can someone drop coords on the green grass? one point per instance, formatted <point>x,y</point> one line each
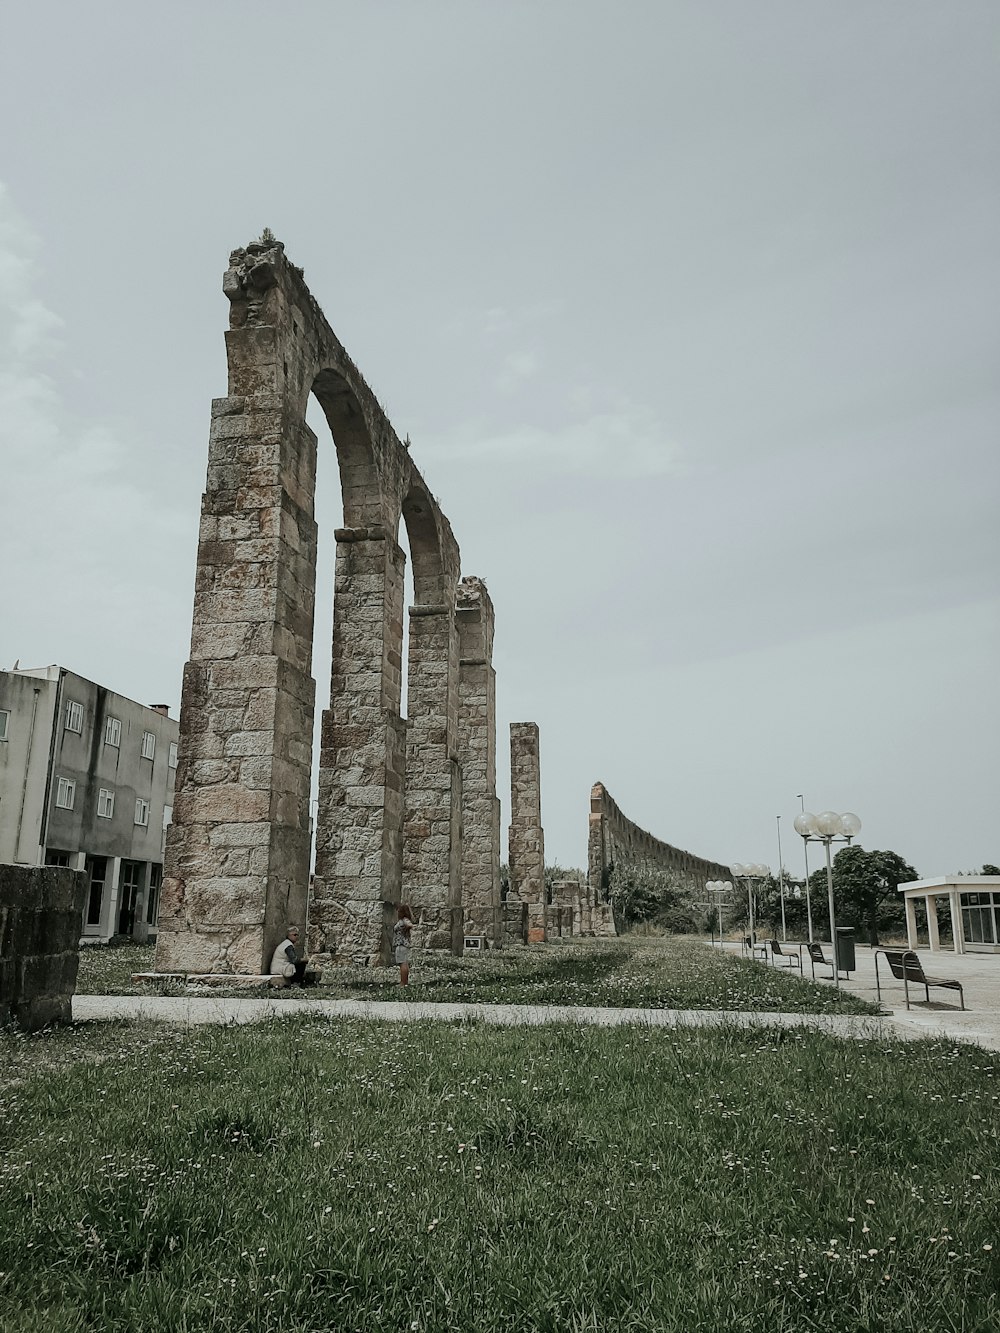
<point>308,1175</point>
<point>666,972</point>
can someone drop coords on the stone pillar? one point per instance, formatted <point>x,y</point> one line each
<point>526,843</point>
<point>359,821</point>
<point>477,730</point>
<point>237,856</point>
<point>432,832</point>
<point>597,852</point>
<point>40,911</point>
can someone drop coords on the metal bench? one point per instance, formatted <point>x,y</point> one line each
<point>816,955</point>
<point>794,959</point>
<point>753,948</point>
<point>906,967</point>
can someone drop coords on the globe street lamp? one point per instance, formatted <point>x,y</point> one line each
<point>718,887</point>
<point>751,873</point>
<point>826,828</point>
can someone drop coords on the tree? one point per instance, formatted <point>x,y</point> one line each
<point>864,886</point>
<point>990,870</point>
<point>645,893</point>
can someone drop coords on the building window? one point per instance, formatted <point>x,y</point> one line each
<point>74,716</point>
<point>172,755</point>
<point>5,720</point>
<point>65,794</point>
<point>54,858</point>
<point>142,812</point>
<point>148,745</point>
<point>113,731</point>
<point>105,803</point>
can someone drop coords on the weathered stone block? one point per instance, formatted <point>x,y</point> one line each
<point>42,918</point>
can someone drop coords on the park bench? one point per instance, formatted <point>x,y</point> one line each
<point>906,967</point>
<point>753,948</point>
<point>794,959</point>
<point>816,955</point>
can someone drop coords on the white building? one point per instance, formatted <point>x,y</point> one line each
<point>87,781</point>
<point>973,902</point>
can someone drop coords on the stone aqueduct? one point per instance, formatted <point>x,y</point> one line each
<point>393,795</point>
<point>613,840</point>
<point>401,801</point>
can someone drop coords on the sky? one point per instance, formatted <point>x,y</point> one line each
<point>690,309</point>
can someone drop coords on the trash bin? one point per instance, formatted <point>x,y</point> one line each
<point>845,949</point>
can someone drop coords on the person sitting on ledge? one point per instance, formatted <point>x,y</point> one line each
<point>286,963</point>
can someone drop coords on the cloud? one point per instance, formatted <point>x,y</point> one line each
<point>624,441</point>
<point>82,546</point>
<point>518,367</point>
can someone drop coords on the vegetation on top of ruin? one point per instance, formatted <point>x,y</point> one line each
<point>438,1178</point>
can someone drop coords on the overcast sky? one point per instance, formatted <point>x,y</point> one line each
<point>691,310</point>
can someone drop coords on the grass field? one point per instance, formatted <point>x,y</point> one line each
<point>308,1175</point>
<point>665,972</point>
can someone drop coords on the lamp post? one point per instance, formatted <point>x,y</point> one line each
<point>827,828</point>
<point>805,848</point>
<point>716,888</point>
<point>781,883</point>
<point>751,873</point>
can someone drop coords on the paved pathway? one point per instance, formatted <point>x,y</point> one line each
<point>979,973</point>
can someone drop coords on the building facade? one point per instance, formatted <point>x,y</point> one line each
<point>87,781</point>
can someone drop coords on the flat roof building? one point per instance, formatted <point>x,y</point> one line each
<point>87,781</point>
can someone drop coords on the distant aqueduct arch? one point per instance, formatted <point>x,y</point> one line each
<point>414,796</point>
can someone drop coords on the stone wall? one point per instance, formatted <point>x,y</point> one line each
<point>41,917</point>
<point>526,841</point>
<point>613,840</point>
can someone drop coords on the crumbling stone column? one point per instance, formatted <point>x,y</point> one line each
<point>237,860</point>
<point>359,825</point>
<point>432,833</point>
<point>477,755</point>
<point>566,896</point>
<point>526,843</point>
<point>41,918</point>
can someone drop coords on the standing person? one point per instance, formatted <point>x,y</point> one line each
<point>286,963</point>
<point>401,942</point>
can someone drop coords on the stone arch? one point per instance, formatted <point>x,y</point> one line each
<point>359,480</point>
<point>238,854</point>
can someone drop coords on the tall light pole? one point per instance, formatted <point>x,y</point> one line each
<point>805,848</point>
<point>781,883</point>
<point>827,828</point>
